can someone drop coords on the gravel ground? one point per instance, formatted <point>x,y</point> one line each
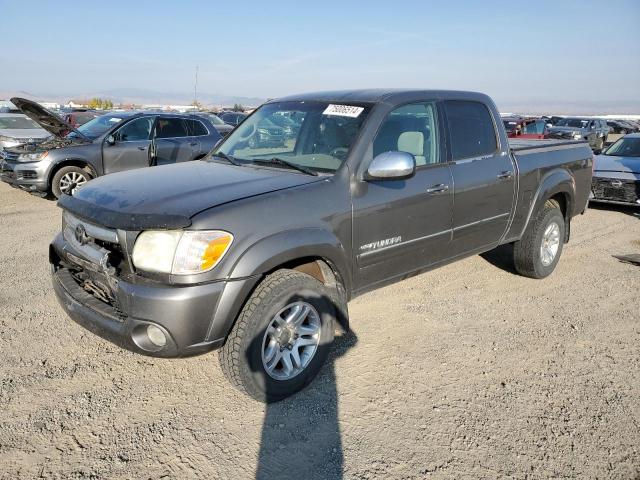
<point>467,371</point>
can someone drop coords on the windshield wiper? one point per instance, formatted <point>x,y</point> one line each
<point>228,158</point>
<point>286,163</point>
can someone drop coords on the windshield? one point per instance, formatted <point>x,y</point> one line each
<point>322,136</point>
<point>625,147</point>
<point>96,127</point>
<point>18,123</point>
<point>572,122</point>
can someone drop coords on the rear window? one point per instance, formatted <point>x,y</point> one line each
<point>170,128</point>
<point>471,129</point>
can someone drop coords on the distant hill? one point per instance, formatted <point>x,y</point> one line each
<point>138,96</point>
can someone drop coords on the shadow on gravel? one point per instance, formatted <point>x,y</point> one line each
<point>632,211</point>
<point>501,257</point>
<point>301,434</point>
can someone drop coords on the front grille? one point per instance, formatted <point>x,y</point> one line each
<point>627,191</point>
<point>26,175</point>
<point>97,261</point>
<point>560,134</point>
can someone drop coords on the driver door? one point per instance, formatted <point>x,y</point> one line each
<point>131,146</point>
<point>402,226</point>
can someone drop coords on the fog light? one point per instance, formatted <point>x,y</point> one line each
<point>156,336</point>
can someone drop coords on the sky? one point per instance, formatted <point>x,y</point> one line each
<point>566,54</point>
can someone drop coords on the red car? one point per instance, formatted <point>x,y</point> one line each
<point>75,119</point>
<point>522,127</point>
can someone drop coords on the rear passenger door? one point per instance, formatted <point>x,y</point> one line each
<point>401,226</point>
<point>172,143</point>
<point>483,177</point>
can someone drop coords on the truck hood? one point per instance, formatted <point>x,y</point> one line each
<point>43,117</point>
<point>168,196</point>
<point>612,163</point>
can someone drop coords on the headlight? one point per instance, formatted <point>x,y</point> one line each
<point>180,252</point>
<point>577,136</point>
<point>32,157</point>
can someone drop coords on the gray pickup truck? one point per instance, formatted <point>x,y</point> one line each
<point>257,250</point>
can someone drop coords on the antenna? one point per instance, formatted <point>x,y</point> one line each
<point>195,91</point>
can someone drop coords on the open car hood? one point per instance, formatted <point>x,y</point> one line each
<point>43,117</point>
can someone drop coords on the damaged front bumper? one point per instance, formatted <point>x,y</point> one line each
<point>192,319</point>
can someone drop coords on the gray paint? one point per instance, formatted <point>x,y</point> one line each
<point>370,231</point>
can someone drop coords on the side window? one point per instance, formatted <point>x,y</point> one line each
<point>170,128</point>
<point>412,129</point>
<point>196,128</point>
<point>135,130</point>
<point>471,129</point>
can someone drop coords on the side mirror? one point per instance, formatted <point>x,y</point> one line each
<point>111,140</point>
<point>392,166</point>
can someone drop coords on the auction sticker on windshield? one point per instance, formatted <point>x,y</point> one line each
<point>343,110</point>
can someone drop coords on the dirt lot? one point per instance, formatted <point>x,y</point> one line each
<point>466,371</point>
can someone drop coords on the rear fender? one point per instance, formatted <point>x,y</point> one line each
<point>553,183</point>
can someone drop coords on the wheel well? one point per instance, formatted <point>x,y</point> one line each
<point>325,272</point>
<point>563,201</point>
<point>72,163</point>
<point>317,267</point>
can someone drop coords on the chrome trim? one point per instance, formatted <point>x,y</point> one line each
<point>93,231</point>
<point>488,219</point>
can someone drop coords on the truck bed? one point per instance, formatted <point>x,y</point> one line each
<point>518,145</point>
<point>566,161</point>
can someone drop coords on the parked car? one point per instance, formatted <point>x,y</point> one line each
<point>110,143</point>
<point>518,127</point>
<point>594,131</point>
<point>232,118</point>
<point>616,176</point>
<point>289,126</point>
<point>223,128</point>
<point>17,129</point>
<point>267,134</point>
<point>257,253</point>
<point>75,119</point>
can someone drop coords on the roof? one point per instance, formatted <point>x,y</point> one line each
<point>379,95</point>
<point>632,135</point>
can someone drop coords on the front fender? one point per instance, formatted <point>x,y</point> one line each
<point>554,182</point>
<point>281,248</point>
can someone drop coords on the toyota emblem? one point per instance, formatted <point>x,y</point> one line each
<point>616,183</point>
<point>81,235</point>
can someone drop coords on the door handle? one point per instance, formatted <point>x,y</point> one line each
<point>193,144</point>
<point>439,188</point>
<point>505,174</point>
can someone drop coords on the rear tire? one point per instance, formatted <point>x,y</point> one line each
<point>244,358</point>
<point>537,253</point>
<point>68,179</point>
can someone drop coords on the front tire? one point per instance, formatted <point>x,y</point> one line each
<point>281,338</point>
<point>68,179</point>
<point>537,253</point>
